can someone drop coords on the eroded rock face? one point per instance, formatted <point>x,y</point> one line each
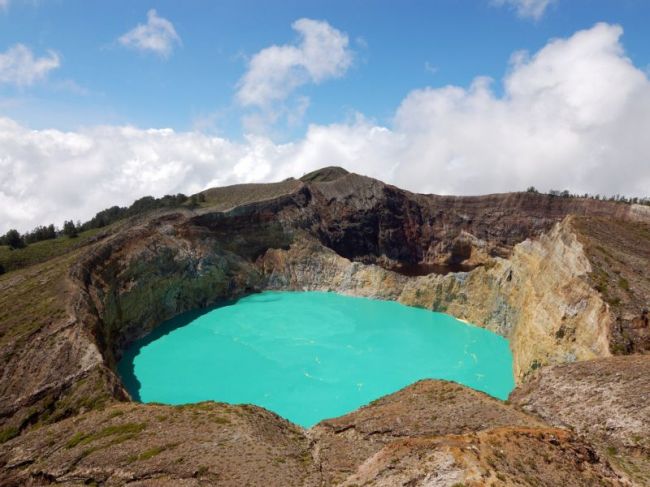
<point>423,410</point>
<point>502,456</point>
<point>619,252</point>
<point>322,235</point>
<point>606,400</point>
<point>535,278</point>
<point>364,219</point>
<point>539,298</point>
<point>200,444</point>
<point>430,433</point>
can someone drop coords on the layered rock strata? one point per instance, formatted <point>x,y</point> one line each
<point>563,279</point>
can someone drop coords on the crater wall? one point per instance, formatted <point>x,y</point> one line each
<point>531,285</point>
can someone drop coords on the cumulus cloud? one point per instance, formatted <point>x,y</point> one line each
<point>18,66</point>
<point>573,115</point>
<point>275,72</point>
<point>157,35</point>
<point>533,9</point>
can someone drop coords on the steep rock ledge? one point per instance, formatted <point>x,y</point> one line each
<point>327,234</point>
<point>539,298</point>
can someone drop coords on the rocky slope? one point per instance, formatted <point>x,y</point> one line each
<point>564,279</point>
<point>607,401</point>
<point>431,433</point>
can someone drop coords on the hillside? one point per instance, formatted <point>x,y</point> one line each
<point>564,279</point>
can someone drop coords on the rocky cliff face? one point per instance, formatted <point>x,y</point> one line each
<point>534,274</point>
<point>539,298</point>
<point>529,281</point>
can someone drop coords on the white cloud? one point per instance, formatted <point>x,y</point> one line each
<point>574,115</point>
<point>430,68</point>
<point>18,66</point>
<point>276,71</point>
<point>4,4</point>
<point>157,35</point>
<point>533,9</point>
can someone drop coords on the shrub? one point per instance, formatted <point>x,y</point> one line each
<point>69,229</point>
<point>13,239</point>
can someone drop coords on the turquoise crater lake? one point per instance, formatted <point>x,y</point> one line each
<point>309,356</point>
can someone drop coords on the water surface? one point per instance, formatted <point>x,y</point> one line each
<point>310,355</point>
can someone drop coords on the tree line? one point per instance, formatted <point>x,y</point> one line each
<point>70,229</point>
<point>565,193</point>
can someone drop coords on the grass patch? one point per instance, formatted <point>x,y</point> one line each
<point>7,434</point>
<point>624,284</point>
<point>115,441</point>
<point>240,194</point>
<point>32,297</point>
<point>152,452</point>
<point>130,429</point>
<point>38,252</point>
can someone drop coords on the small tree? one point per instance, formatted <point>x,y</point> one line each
<point>69,229</point>
<point>532,189</point>
<point>14,239</point>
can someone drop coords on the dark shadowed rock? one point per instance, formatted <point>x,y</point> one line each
<point>562,278</point>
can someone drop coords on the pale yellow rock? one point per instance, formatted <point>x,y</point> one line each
<point>538,298</point>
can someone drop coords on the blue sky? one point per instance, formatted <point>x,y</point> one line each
<point>104,102</point>
<point>101,82</point>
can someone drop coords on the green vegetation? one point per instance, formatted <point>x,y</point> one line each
<point>38,293</point>
<point>12,239</point>
<point>45,242</point>
<point>152,452</point>
<point>139,207</point>
<point>40,233</point>
<point>125,431</point>
<point>18,258</point>
<point>616,198</point>
<point>228,197</point>
<point>7,434</point>
<point>70,229</point>
<point>624,284</point>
